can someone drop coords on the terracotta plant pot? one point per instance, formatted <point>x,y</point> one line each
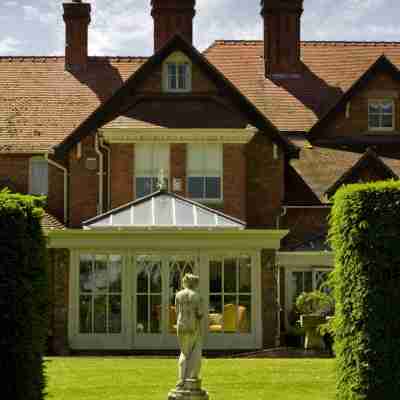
<point>313,340</point>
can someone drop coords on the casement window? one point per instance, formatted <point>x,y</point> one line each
<point>204,171</point>
<point>100,293</point>
<point>230,302</point>
<point>177,74</point>
<point>306,281</point>
<point>39,176</point>
<point>151,161</point>
<point>381,115</point>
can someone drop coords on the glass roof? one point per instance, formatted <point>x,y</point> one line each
<point>164,210</point>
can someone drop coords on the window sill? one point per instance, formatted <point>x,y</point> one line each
<point>380,131</point>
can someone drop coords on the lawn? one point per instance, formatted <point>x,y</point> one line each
<point>118,378</point>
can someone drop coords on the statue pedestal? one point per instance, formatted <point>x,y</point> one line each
<point>191,390</point>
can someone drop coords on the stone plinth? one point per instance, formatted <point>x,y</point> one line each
<point>191,390</point>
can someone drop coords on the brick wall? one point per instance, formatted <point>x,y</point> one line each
<point>122,174</point>
<point>83,184</point>
<point>265,183</point>
<point>383,85</point>
<point>16,169</point>
<point>234,180</point>
<point>200,82</point>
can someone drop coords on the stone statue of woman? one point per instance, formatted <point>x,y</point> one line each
<point>189,310</point>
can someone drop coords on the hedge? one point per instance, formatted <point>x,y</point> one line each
<point>365,235</point>
<point>23,297</point>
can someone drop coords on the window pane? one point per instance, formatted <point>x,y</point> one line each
<point>230,270</point>
<point>172,76</point>
<point>374,121</point>
<point>101,273</point>
<point>215,276</point>
<point>196,187</point>
<point>213,188</point>
<point>230,314</point>
<point>86,273</point>
<point>39,177</point>
<point>141,314</point>
<point>144,186</point>
<point>85,314</point>
<point>182,68</point>
<point>155,278</point>
<point>155,306</point>
<point>387,121</point>
<point>244,314</point>
<point>308,281</point>
<point>114,315</point>
<point>100,312</point>
<point>215,314</point>
<point>213,159</point>
<point>387,107</point>
<point>195,159</point>
<point>142,277</point>
<point>114,273</point>
<point>374,108</point>
<point>245,274</point>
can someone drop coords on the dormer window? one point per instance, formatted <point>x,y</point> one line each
<point>381,115</point>
<point>177,74</point>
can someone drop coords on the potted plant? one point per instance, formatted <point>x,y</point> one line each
<point>313,308</point>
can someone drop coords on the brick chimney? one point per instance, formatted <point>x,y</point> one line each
<point>282,20</point>
<point>77,20</point>
<point>171,17</point>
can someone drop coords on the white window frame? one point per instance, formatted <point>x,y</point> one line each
<point>381,101</point>
<point>32,161</point>
<point>129,338</point>
<point>289,289</point>
<point>203,173</point>
<point>177,58</point>
<point>153,172</point>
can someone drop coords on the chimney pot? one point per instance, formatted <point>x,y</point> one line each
<point>172,17</point>
<point>282,26</point>
<point>77,20</point>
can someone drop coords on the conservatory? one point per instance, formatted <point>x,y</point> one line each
<point>127,264</point>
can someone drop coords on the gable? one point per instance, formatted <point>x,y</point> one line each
<point>349,116</point>
<point>370,168</point>
<point>128,94</point>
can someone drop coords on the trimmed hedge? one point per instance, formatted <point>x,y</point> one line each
<point>365,235</point>
<point>23,297</point>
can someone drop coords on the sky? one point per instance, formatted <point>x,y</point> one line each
<point>125,27</point>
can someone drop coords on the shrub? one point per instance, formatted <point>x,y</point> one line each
<point>316,302</point>
<point>23,296</point>
<point>365,234</point>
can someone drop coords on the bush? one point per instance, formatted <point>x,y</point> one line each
<point>365,234</point>
<point>316,302</point>
<point>23,296</point>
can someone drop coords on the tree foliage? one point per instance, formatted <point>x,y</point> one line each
<point>365,235</point>
<point>23,296</point>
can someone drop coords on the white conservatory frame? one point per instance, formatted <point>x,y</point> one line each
<point>127,242</point>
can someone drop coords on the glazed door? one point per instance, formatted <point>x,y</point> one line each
<point>157,278</point>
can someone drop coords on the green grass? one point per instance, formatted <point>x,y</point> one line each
<point>112,378</point>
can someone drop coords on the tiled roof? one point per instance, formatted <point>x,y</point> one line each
<point>41,103</point>
<point>50,222</point>
<point>296,104</point>
<point>322,166</point>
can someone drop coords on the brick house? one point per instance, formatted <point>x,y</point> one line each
<point>222,163</point>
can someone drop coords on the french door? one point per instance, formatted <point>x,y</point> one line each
<point>156,280</point>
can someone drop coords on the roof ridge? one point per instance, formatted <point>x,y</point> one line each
<point>59,58</point>
<point>305,42</point>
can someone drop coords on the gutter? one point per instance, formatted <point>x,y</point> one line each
<point>100,173</point>
<point>65,172</point>
<point>108,150</point>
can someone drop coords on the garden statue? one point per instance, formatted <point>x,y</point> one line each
<point>189,310</point>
